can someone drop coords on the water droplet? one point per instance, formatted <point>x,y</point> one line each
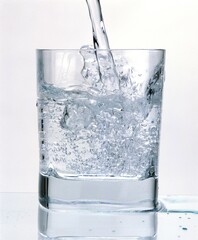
<point>184,228</point>
<point>113,231</point>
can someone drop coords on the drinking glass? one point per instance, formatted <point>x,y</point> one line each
<point>99,115</point>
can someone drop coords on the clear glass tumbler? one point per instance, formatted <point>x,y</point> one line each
<point>99,115</point>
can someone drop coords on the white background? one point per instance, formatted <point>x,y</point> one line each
<point>27,25</point>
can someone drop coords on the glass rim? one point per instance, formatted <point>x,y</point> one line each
<point>112,50</point>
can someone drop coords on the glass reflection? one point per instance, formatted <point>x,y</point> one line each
<point>75,223</point>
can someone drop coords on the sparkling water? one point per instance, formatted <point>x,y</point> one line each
<point>103,130</point>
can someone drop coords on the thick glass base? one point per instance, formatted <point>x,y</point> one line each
<point>98,193</point>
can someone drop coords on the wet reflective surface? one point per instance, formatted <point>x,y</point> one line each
<point>22,218</point>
